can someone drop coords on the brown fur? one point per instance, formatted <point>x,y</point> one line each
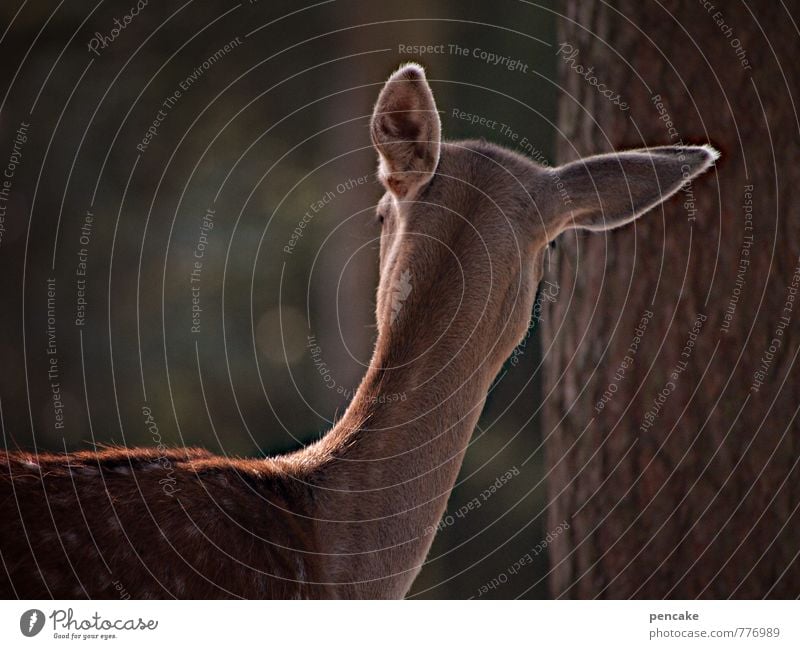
<point>102,525</point>
<point>466,224</point>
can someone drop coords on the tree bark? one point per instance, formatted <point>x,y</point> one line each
<point>684,480</point>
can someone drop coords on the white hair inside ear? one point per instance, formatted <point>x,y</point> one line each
<point>406,132</point>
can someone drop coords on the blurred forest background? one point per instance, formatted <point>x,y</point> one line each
<point>270,130</point>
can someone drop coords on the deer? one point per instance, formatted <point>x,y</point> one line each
<point>465,227</point>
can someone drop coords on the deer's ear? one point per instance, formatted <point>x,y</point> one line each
<point>606,191</point>
<point>406,132</point>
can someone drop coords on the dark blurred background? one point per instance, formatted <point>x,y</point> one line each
<point>270,125</point>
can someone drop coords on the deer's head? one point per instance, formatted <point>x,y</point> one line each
<point>465,225</point>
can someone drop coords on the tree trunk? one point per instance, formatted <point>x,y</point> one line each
<point>677,464</point>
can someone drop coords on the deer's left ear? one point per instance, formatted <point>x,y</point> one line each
<point>606,191</point>
<point>406,132</point>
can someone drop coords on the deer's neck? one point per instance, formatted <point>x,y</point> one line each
<point>385,471</point>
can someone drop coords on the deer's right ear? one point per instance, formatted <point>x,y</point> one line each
<point>607,191</point>
<point>406,132</point>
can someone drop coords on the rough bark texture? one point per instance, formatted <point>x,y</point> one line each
<point>698,498</point>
